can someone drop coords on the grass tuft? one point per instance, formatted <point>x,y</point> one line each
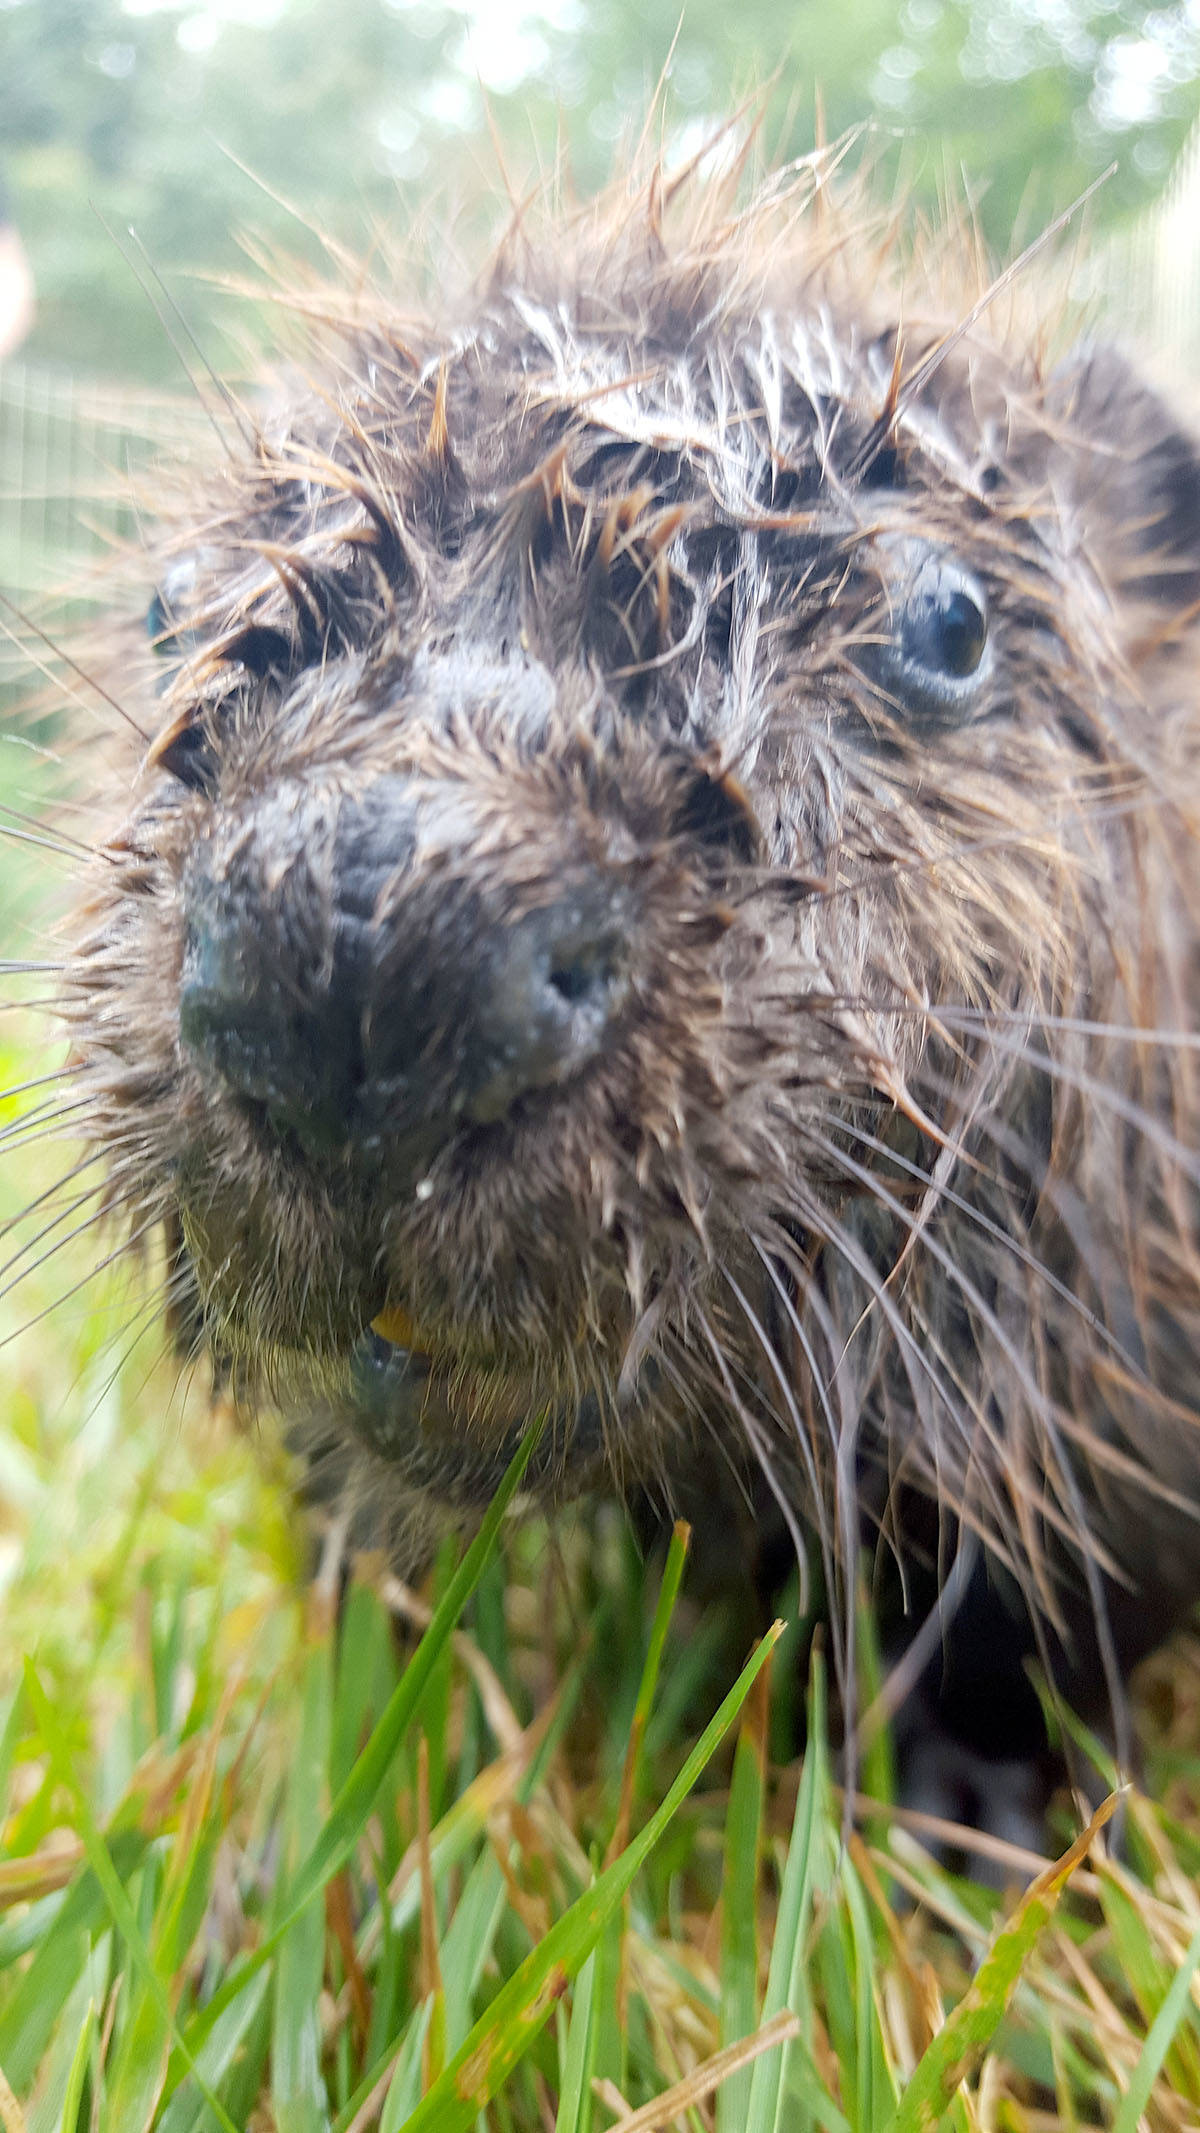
<point>512,1854</point>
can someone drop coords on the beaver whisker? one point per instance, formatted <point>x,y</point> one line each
<point>44,840</point>
<point>90,1161</point>
<point>105,1205</point>
<point>758,1442</point>
<point>59,660</point>
<point>839,1238</point>
<point>820,1381</point>
<point>951,1013</point>
<point>44,1122</point>
<point>1010,1245</point>
<point>125,1249</point>
<point>40,1081</point>
<point>928,1374</point>
<point>789,1414</point>
<point>892,866</point>
<point>1053,1423</point>
<point>908,1224</point>
<point>1076,1078</point>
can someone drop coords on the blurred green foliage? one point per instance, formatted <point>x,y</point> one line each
<point>153,116</point>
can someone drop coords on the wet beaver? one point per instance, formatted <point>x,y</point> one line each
<point>663,890</point>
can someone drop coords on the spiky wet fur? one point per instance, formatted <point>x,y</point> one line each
<point>886,1184</point>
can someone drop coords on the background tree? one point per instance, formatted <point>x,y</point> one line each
<point>143,115</point>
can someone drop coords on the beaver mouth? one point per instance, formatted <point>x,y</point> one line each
<point>397,1328</point>
<point>478,1389</point>
<point>449,1427</point>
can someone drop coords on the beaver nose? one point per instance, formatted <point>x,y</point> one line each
<point>367,990</point>
<point>276,1030</point>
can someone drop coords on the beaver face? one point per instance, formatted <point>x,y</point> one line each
<point>638,834</point>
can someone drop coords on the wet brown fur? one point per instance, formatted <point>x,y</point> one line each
<point>886,1181</point>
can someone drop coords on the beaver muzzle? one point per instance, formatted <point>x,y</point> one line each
<point>350,972</point>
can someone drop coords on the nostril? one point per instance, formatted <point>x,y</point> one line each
<point>588,974</point>
<point>557,981</point>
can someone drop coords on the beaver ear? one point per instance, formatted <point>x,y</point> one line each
<point>1134,469</point>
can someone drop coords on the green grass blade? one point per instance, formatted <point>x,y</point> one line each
<point>1158,2042</point>
<point>468,1944</point>
<point>10,1734</point>
<point>609,2041</point>
<point>353,1804</point>
<point>77,2071</point>
<point>29,2018</point>
<point>187,2111</point>
<point>366,1655</point>
<point>739,1904</point>
<point>1141,1965</point>
<point>74,2032</point>
<point>405,2088</point>
<point>500,2038</point>
<point>577,2056</point>
<point>787,1979</point>
<point>609,2033</point>
<point>959,2045</point>
<point>398,2071</point>
<point>60,1953</point>
<point>1148,1975</point>
<point>876,2090</point>
<point>101,1863</point>
<point>664,1609</point>
<point>140,2063</point>
<point>351,1809</point>
<point>298,2093</point>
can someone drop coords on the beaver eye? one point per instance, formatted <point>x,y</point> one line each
<point>932,659</point>
<point>943,626</point>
